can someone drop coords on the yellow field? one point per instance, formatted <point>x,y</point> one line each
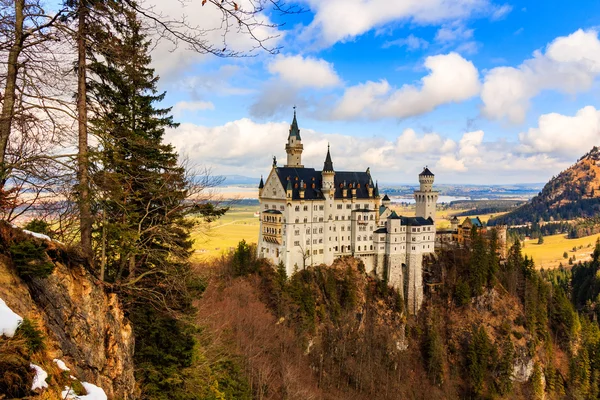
<point>218,237</point>
<point>550,253</point>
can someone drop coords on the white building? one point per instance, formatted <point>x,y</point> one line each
<point>311,217</point>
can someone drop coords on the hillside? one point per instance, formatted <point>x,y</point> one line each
<point>488,330</point>
<point>574,193</point>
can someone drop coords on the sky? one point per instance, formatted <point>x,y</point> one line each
<point>480,91</point>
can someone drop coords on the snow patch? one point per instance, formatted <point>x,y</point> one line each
<point>93,393</point>
<point>61,364</point>
<point>37,235</point>
<point>39,380</point>
<point>9,320</point>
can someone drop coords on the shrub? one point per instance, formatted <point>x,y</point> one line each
<point>39,226</point>
<point>15,375</point>
<point>34,338</point>
<point>30,259</point>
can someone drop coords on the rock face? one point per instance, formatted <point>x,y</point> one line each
<point>84,326</point>
<point>90,328</point>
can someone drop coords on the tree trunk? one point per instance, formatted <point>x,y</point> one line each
<point>8,104</point>
<point>85,214</point>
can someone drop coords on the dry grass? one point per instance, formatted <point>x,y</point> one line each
<point>550,253</point>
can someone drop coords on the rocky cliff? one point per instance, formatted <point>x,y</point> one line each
<point>83,325</point>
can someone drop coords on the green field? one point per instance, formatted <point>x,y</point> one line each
<point>550,253</point>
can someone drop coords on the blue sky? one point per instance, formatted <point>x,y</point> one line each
<point>480,91</point>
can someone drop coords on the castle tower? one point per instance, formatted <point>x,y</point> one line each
<point>328,189</point>
<point>294,146</point>
<point>426,197</point>
<point>261,186</point>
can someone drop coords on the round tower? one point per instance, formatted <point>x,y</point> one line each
<point>426,197</point>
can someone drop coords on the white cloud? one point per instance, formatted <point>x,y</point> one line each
<point>342,20</point>
<point>377,100</point>
<point>245,147</point>
<point>411,42</point>
<point>452,33</point>
<point>501,12</point>
<point>304,72</point>
<point>183,106</point>
<point>569,65</point>
<point>563,135</point>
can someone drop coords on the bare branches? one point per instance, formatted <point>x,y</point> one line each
<point>245,19</point>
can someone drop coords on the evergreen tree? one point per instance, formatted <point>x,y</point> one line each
<point>144,237</point>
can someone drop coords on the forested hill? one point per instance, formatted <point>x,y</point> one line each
<point>574,193</point>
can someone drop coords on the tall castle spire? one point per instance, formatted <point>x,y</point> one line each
<point>328,165</point>
<point>294,146</point>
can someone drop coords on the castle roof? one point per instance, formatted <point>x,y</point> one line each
<point>261,184</point>
<point>328,166</point>
<point>386,198</point>
<point>412,221</point>
<point>294,130</point>
<point>426,172</point>
<point>310,176</point>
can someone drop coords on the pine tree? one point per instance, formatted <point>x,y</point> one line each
<point>143,239</point>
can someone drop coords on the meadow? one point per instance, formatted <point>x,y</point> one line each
<point>550,254</point>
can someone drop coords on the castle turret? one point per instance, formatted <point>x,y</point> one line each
<point>385,201</point>
<point>454,224</point>
<point>261,185</point>
<point>328,174</point>
<point>294,146</point>
<point>426,197</point>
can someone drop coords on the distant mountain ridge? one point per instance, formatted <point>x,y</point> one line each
<point>574,193</point>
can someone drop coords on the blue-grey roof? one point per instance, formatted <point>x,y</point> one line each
<point>310,177</point>
<point>426,172</point>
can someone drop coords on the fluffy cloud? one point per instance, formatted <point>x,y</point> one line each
<point>341,20</point>
<point>183,106</point>
<point>245,147</point>
<point>563,135</point>
<point>378,100</point>
<point>569,65</point>
<point>304,72</point>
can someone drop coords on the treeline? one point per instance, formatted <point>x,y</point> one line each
<point>535,230</point>
<point>487,317</point>
<point>484,206</point>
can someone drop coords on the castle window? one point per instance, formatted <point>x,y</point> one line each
<point>297,208</point>
<point>266,206</point>
<point>314,252</point>
<point>371,247</point>
<point>348,206</point>
<point>307,242</point>
<point>358,248</point>
<point>336,217</point>
<point>314,241</point>
<point>308,231</point>
<point>305,220</point>
<point>357,206</point>
<point>320,251</point>
<point>321,208</point>
<point>336,248</point>
<point>305,208</point>
<point>343,217</point>
<point>315,230</point>
<point>358,238</point>
<point>320,230</point>
<point>297,220</point>
<point>297,232</point>
<point>320,240</point>
<point>282,208</point>
<point>339,206</point>
<point>320,219</point>
<point>359,217</point>
<point>366,207</point>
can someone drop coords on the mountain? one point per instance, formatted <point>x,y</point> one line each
<point>574,193</point>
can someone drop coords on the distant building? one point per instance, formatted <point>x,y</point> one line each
<point>311,217</point>
<point>460,234</point>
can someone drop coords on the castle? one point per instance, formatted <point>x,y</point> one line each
<point>311,217</point>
